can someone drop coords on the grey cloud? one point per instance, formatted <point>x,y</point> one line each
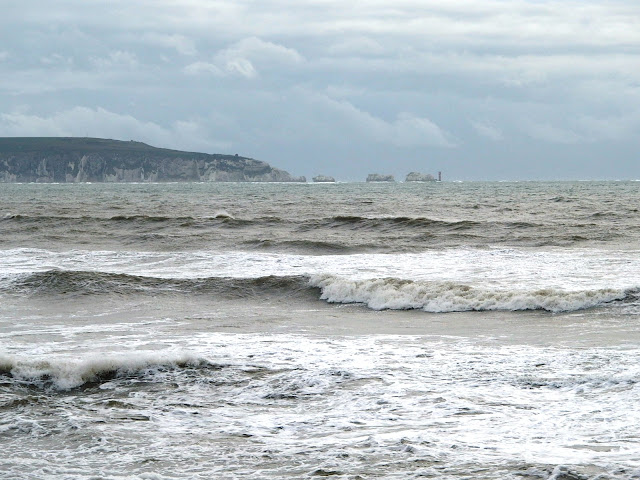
<point>611,128</point>
<point>405,130</point>
<point>469,22</point>
<point>57,59</point>
<point>240,57</point>
<point>328,116</point>
<point>299,83</point>
<point>488,130</point>
<point>99,122</point>
<point>116,59</point>
<point>240,66</point>
<point>197,68</point>
<point>359,45</point>
<point>548,132</point>
<point>179,43</point>
<point>586,129</point>
<point>257,49</point>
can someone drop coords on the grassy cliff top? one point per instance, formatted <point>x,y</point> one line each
<point>85,145</point>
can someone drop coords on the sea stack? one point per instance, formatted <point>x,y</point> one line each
<point>376,177</point>
<point>420,177</point>
<point>323,179</point>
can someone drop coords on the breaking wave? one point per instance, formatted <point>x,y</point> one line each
<point>439,297</point>
<point>375,293</point>
<point>66,374</point>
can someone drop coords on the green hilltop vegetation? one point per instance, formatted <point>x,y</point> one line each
<point>81,159</point>
<point>27,144</point>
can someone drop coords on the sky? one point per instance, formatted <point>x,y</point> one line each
<point>480,90</point>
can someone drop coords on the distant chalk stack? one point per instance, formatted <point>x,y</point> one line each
<point>420,177</point>
<point>376,177</point>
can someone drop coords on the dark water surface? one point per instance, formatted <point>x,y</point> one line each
<point>321,218</point>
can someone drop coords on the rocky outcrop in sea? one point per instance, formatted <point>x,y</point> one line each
<point>376,177</point>
<point>420,177</point>
<point>323,179</point>
<point>71,159</point>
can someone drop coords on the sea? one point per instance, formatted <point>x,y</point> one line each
<point>472,330</point>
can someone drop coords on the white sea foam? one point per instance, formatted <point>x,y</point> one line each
<point>391,406</point>
<point>397,294</point>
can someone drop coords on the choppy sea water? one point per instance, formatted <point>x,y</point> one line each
<point>443,330</point>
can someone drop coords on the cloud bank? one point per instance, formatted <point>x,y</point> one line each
<point>475,89</point>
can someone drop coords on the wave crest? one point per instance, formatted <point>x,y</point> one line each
<point>67,374</point>
<point>440,297</point>
<point>375,293</point>
<point>65,282</point>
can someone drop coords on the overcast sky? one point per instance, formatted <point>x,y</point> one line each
<point>477,89</point>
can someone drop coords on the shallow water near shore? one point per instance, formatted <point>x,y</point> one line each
<point>481,330</point>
